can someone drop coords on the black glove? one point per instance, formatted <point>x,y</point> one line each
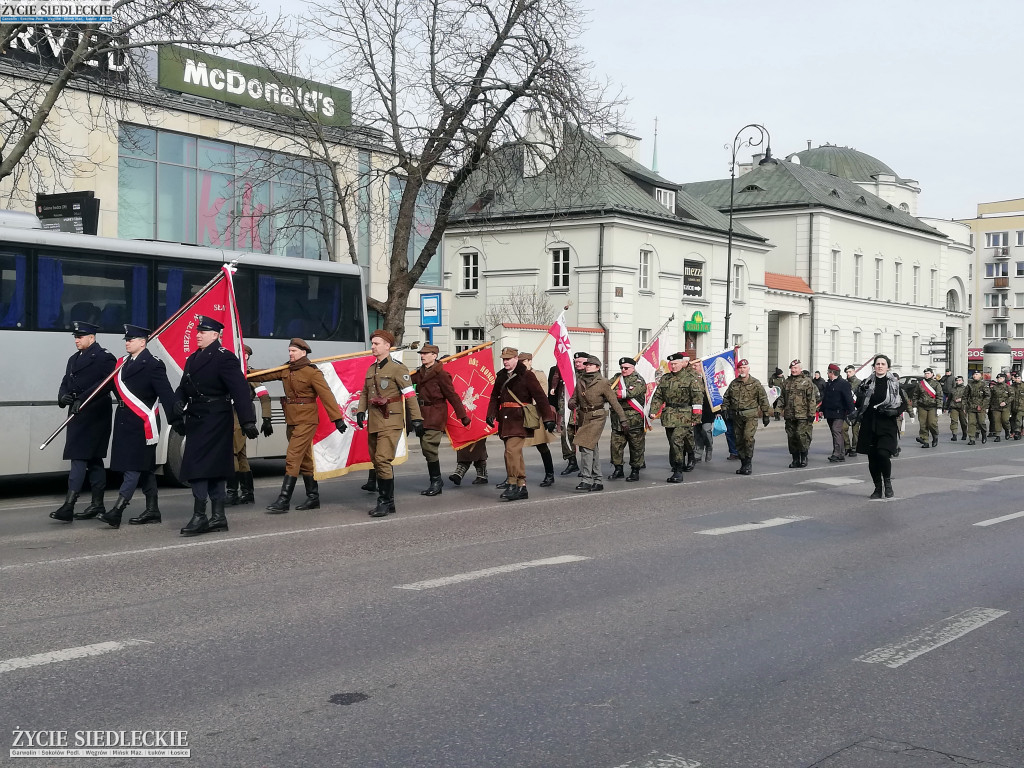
<point>851,417</point>
<point>490,422</point>
<point>466,421</point>
<point>66,399</point>
<point>178,426</point>
<point>250,431</point>
<point>341,426</point>
<point>179,408</point>
<point>765,419</point>
<point>267,429</point>
<point>549,426</point>
<point>810,419</point>
<point>725,414</point>
<point>76,406</point>
<point>360,418</point>
<point>417,427</point>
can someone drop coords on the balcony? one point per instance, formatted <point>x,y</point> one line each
<point>1001,252</point>
<point>1000,313</point>
<point>1001,283</point>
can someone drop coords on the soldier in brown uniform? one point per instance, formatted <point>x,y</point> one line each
<point>303,384</point>
<point>588,400</point>
<point>243,472</point>
<point>387,404</point>
<point>434,390</point>
<point>515,388</point>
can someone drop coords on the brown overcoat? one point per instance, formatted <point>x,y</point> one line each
<point>588,401</point>
<point>504,408</point>
<point>434,390</point>
<point>303,384</point>
<point>540,435</point>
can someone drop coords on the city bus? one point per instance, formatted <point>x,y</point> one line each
<point>49,279</point>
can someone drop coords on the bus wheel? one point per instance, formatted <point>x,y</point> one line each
<point>175,454</point>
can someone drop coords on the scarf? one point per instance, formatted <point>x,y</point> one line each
<point>890,406</point>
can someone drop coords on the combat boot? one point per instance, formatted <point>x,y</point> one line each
<point>935,441</point>
<point>312,493</point>
<point>548,481</point>
<point>218,520</point>
<point>997,439</point>
<point>795,463</point>
<point>481,473</point>
<point>281,504</point>
<point>598,486</point>
<point>887,483</point>
<point>371,482</point>
<point>744,467</point>
<point>65,513</point>
<point>984,437</point>
<point>676,476</point>
<point>617,474</point>
<point>436,483</point>
<point>878,490</point>
<point>689,462</point>
<point>150,515</point>
<point>511,493</point>
<point>232,490</point>
<point>571,467</point>
<point>112,517</point>
<point>634,475</point>
<point>385,498</point>
<point>963,435</point>
<point>953,438</point>
<point>460,472</point>
<point>502,485</point>
<point>94,508</point>
<point>803,458</point>
<point>522,493</point>
<point>584,487</point>
<point>247,493</point>
<point>971,442</point>
<point>707,453</point>
<point>198,524</point>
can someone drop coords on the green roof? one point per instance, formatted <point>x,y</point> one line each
<point>785,185</point>
<point>846,162</point>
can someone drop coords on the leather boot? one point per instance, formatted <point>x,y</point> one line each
<point>953,438</point>
<point>481,473</point>
<point>795,463</point>
<point>151,515</point>
<point>232,483</point>
<point>436,483</point>
<point>984,437</point>
<point>502,485</point>
<point>744,467</point>
<point>385,498</point>
<point>689,462</point>
<point>312,493</point>
<point>218,520</point>
<point>617,474</point>
<point>887,483</point>
<point>198,524</point>
<point>511,493</point>
<point>996,439</point>
<point>571,467</point>
<point>548,481</point>
<point>281,505</point>
<point>803,458</point>
<point>963,435</point>
<point>523,493</point>
<point>94,508</point>
<point>634,475</point>
<point>112,516</point>
<point>247,494</point>
<point>878,490</point>
<point>460,472</point>
<point>676,476</point>
<point>371,482</point>
<point>707,453</point>
<point>971,442</point>
<point>65,513</point>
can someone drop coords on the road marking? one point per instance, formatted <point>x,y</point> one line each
<point>782,495</point>
<point>460,577</point>
<point>834,481</point>
<point>753,526</point>
<point>658,760</point>
<point>999,477</point>
<point>68,653</point>
<point>1002,519</point>
<point>930,638</point>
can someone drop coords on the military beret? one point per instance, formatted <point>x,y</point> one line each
<point>429,348</point>
<point>299,344</point>
<point>849,368</point>
<point>742,362</point>
<point>677,356</point>
<point>209,324</point>
<point>388,336</point>
<point>81,328</point>
<point>928,370</point>
<point>627,361</point>
<point>509,352</point>
<point>1000,375</point>
<point>795,362</point>
<point>135,332</point>
<point>581,355</point>
<point>834,367</point>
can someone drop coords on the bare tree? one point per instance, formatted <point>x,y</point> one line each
<point>521,305</point>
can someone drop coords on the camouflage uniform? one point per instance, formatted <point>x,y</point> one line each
<point>927,403</point>
<point>978,398</point>
<point>851,432</point>
<point>682,394</point>
<point>799,403</point>
<point>958,410</point>
<point>1017,407</point>
<point>1000,407</point>
<point>742,400</point>
<point>631,391</point>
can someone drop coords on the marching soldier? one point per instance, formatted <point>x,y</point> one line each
<point>140,382</point>
<point>386,406</point>
<point>579,360</point>
<point>682,395</point>
<point>631,392</point>
<point>799,404</point>
<point>958,408</point>
<point>243,472</point>
<point>927,399</point>
<point>1017,404</point>
<point>89,432</point>
<point>304,384</point>
<point>743,398</point>
<point>777,380</point>
<point>211,382</point>
<point>434,391</point>
<point>588,401</point>
<point>978,398</point>
<point>1000,406</point>
<point>851,432</point>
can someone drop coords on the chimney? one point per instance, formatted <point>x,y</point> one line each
<point>543,140</point>
<point>624,142</point>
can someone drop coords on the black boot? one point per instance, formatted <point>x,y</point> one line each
<point>436,483</point>
<point>585,487</point>
<point>460,472</point>
<point>312,493</point>
<point>65,513</point>
<point>232,484</point>
<point>963,435</point>
<point>571,467</point>
<point>935,440</point>
<point>744,467</point>
<point>502,485</point>
<point>996,439</point>
<point>617,474</point>
<point>677,474</point>
<point>971,442</point>
<point>878,490</point>
<point>247,494</point>
<point>795,463</point>
<point>707,453</point>
<point>371,483</point>
<point>112,517</point>
<point>511,493</point>
<point>151,515</point>
<point>280,506</point>
<point>803,458</point>
<point>887,483</point>
<point>218,520</point>
<point>689,462</point>
<point>385,498</point>
<point>634,475</point>
<point>549,480</point>
<point>523,493</point>
<point>984,437</point>
<point>953,438</point>
<point>198,524</point>
<point>94,508</point>
<point>481,473</point>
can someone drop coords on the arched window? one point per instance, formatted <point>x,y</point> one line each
<point>952,301</point>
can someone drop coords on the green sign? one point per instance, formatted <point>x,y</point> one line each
<point>696,324</point>
<point>213,77</point>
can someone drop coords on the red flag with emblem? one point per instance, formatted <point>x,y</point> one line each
<point>473,378</point>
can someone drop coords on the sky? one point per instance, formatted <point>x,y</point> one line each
<point>931,88</point>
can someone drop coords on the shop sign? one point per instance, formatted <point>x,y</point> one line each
<point>696,324</point>
<point>977,354</point>
<point>77,212</point>
<point>203,74</point>
<point>53,46</point>
<point>693,279</point>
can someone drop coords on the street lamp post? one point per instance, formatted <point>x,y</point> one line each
<point>762,137</point>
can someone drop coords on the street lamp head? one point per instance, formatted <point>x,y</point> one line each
<point>768,159</point>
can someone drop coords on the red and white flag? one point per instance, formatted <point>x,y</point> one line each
<point>648,365</point>
<point>473,377</point>
<point>563,359</point>
<point>336,454</point>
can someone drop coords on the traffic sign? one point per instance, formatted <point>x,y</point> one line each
<point>938,358</point>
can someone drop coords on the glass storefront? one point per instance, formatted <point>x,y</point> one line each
<point>425,214</point>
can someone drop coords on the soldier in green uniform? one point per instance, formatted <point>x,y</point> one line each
<point>743,398</point>
<point>631,392</point>
<point>958,408</point>
<point>682,395</point>
<point>927,399</point>
<point>388,402</point>
<point>1000,406</point>
<point>851,431</point>
<point>978,398</point>
<point>777,380</point>
<point>588,401</point>
<point>1016,403</point>
<point>799,403</point>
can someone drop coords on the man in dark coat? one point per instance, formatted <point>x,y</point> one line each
<point>837,406</point>
<point>88,433</point>
<point>140,382</point>
<point>435,391</point>
<point>211,381</point>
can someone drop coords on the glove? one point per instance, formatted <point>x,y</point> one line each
<point>76,406</point>
<point>851,417</point>
<point>726,414</point>
<point>250,431</point>
<point>490,422</point>
<point>179,408</point>
<point>765,419</point>
<point>66,399</point>
<point>466,421</point>
<point>550,426</point>
<point>341,426</point>
<point>360,418</point>
<point>417,427</point>
<point>623,428</point>
<point>179,427</point>
<point>267,429</point>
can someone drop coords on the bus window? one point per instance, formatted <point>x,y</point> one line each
<point>108,294</point>
<point>310,306</point>
<point>12,290</point>
<point>175,285</point>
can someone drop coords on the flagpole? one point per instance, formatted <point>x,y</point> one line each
<point>163,327</point>
<point>650,344</point>
<point>331,359</point>
<point>465,352</point>
<point>544,340</point>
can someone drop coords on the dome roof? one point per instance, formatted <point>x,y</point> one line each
<point>845,162</point>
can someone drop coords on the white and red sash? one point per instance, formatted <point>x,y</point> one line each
<point>638,407</point>
<point>139,408</point>
<point>926,388</point>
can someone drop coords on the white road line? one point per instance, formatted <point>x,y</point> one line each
<point>1002,519</point>
<point>930,638</point>
<point>999,477</point>
<point>68,653</point>
<point>837,481</point>
<point>460,577</point>
<point>659,760</point>
<point>782,495</point>
<point>754,526</point>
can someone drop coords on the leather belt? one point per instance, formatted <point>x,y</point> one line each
<point>511,405</point>
<point>210,399</point>
<point>298,400</point>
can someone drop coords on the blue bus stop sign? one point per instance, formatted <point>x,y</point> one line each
<point>430,310</point>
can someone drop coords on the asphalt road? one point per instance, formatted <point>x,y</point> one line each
<point>777,620</point>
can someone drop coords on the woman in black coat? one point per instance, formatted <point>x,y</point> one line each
<point>879,405</point>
